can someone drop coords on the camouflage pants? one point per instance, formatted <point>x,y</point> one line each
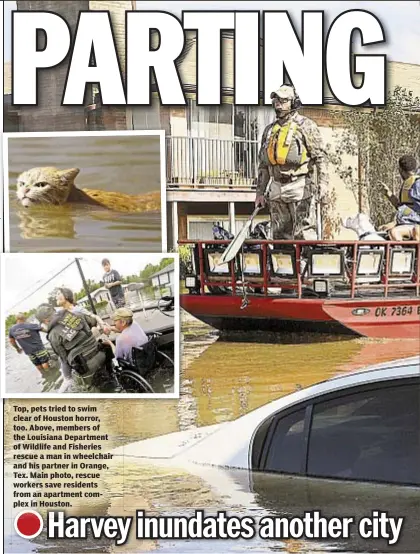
<point>293,220</point>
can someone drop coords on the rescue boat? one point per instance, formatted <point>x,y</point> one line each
<point>364,288</point>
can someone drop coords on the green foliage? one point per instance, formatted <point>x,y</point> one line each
<point>93,285</point>
<point>379,137</point>
<point>150,269</point>
<point>101,305</point>
<point>79,295</point>
<point>185,257</point>
<point>165,262</point>
<point>144,275</point>
<point>130,279</point>
<point>148,292</point>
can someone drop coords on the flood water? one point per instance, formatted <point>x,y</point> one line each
<point>221,381</point>
<point>125,164</point>
<point>23,377</point>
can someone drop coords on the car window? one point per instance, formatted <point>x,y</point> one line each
<point>371,435</point>
<point>287,447</point>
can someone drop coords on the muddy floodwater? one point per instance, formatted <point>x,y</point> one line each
<point>23,377</point>
<point>129,165</point>
<point>220,381</point>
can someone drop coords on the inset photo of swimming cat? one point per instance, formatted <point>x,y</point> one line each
<point>82,191</point>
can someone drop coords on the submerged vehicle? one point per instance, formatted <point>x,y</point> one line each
<point>348,445</point>
<point>362,426</point>
<point>362,287</point>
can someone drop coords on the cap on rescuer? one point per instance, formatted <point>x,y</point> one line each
<point>285,91</point>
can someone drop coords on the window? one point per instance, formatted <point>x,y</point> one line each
<point>214,114</point>
<point>146,117</point>
<point>371,435</point>
<point>201,227</point>
<point>286,449</point>
<point>164,278</point>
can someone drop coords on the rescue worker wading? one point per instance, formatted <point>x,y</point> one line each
<point>72,340</point>
<point>291,148</point>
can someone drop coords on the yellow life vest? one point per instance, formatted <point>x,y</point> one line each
<point>280,142</point>
<point>406,186</point>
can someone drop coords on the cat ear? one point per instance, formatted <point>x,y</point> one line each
<point>69,174</point>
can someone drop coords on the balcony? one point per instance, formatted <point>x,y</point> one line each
<point>203,163</point>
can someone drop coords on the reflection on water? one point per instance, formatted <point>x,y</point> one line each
<point>129,165</point>
<point>221,381</point>
<point>82,229</point>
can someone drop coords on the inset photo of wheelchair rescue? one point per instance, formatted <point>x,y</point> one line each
<point>90,325</point>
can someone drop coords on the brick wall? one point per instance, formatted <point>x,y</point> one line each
<point>115,117</point>
<point>49,115</point>
<point>117,11</point>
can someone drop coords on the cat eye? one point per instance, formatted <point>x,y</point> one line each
<point>41,184</point>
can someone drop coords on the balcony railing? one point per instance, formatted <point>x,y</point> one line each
<point>204,162</point>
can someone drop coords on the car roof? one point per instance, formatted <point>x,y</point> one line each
<point>235,451</point>
<point>203,445</point>
<point>399,369</point>
<point>396,364</point>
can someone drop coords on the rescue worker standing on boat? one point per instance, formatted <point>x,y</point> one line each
<point>291,148</point>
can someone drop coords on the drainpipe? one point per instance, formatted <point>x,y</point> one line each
<point>359,177</point>
<point>175,225</point>
<point>232,217</point>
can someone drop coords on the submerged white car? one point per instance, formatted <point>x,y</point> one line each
<point>349,446</point>
<point>363,426</point>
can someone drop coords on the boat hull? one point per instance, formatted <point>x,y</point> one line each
<point>378,318</point>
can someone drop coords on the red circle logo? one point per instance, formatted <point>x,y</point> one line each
<point>28,524</point>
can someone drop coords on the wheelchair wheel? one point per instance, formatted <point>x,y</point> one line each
<point>133,382</point>
<point>166,361</point>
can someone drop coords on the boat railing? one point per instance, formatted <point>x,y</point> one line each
<point>387,268</point>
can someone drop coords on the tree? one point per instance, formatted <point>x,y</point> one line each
<point>378,137</point>
<point>10,321</point>
<point>150,269</point>
<point>165,262</point>
<point>93,285</point>
<point>131,279</point>
<point>185,252</point>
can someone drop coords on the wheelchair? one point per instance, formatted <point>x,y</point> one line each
<point>133,375</point>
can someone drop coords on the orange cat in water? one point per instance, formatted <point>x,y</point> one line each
<point>52,186</point>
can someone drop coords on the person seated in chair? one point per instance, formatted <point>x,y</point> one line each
<point>406,224</point>
<point>130,334</point>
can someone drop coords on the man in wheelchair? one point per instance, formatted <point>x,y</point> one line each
<point>130,334</point>
<point>135,354</point>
